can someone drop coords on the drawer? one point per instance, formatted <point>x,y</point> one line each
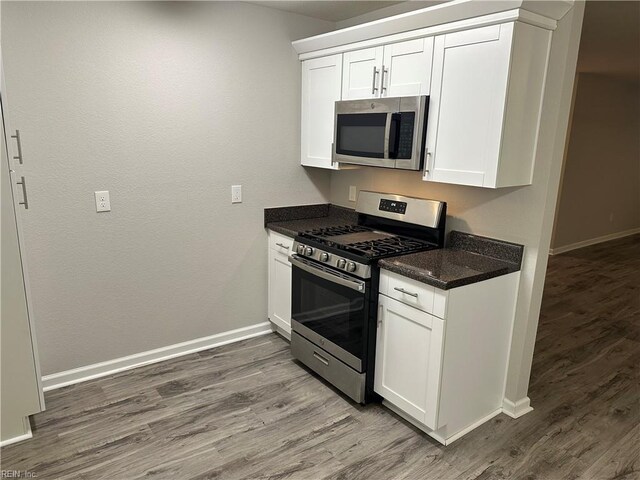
<point>328,367</point>
<point>280,243</point>
<point>416,294</point>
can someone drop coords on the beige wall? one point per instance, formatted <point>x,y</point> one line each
<point>600,193</point>
<point>166,105</point>
<point>522,214</point>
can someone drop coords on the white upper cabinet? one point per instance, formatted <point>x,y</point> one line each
<point>484,109</point>
<point>361,71</point>
<point>408,68</point>
<point>394,70</point>
<point>321,84</point>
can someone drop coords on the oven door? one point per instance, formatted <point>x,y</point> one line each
<point>330,309</point>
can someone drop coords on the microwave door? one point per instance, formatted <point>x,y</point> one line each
<point>363,139</point>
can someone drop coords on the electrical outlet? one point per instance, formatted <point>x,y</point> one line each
<point>352,193</point>
<point>103,204</point>
<point>236,193</point>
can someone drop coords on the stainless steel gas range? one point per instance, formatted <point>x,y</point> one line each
<point>334,304</point>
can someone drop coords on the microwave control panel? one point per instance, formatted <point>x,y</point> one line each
<point>393,206</point>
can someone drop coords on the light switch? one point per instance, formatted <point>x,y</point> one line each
<point>236,193</point>
<point>103,204</point>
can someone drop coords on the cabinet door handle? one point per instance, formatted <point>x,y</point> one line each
<point>25,202</point>
<point>427,154</point>
<point>402,290</point>
<point>374,89</point>
<point>384,70</point>
<point>282,245</point>
<point>19,156</point>
<point>321,358</point>
<point>379,315</point>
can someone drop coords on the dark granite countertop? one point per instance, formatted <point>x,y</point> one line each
<point>467,259</point>
<point>290,221</point>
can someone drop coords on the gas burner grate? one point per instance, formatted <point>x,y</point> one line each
<point>327,232</point>
<point>387,245</point>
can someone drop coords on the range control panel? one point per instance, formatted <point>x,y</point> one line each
<point>393,206</point>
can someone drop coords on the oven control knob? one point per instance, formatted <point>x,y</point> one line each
<point>342,263</point>
<point>308,251</point>
<point>324,257</point>
<point>300,249</point>
<point>351,267</point>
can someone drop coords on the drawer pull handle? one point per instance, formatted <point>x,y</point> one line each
<point>402,290</point>
<point>282,245</point>
<point>321,358</point>
<point>19,145</point>
<point>25,202</point>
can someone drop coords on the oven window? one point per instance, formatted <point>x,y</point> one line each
<point>333,311</point>
<point>361,135</point>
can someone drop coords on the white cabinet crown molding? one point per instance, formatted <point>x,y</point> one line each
<point>436,20</point>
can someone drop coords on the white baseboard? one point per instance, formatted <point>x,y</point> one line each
<point>102,369</point>
<point>19,438</point>
<point>438,434</point>
<point>593,241</point>
<point>516,409</point>
<point>473,426</point>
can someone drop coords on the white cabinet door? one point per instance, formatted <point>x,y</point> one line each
<point>280,290</point>
<point>407,68</point>
<point>466,108</point>
<point>361,73</point>
<point>321,84</point>
<point>408,359</point>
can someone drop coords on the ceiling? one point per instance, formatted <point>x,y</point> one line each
<point>332,11</point>
<point>610,42</point>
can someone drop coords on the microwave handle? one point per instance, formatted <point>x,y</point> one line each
<point>387,132</point>
<point>392,135</point>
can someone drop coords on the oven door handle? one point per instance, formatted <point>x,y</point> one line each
<point>332,277</point>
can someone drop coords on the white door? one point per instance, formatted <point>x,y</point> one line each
<point>280,290</point>
<point>21,382</point>
<point>466,108</point>
<point>407,68</point>
<point>321,85</point>
<point>361,73</point>
<point>408,359</point>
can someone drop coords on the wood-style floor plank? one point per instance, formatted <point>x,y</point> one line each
<point>248,410</point>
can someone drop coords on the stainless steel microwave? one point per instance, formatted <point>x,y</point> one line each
<point>381,132</point>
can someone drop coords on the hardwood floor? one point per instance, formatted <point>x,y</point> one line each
<point>247,410</point>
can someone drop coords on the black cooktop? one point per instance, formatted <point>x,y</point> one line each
<point>365,241</point>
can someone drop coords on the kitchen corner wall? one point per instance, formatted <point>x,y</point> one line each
<point>166,105</point>
<point>521,214</point>
<point>600,192</point>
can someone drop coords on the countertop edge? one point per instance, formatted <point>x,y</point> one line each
<point>417,275</point>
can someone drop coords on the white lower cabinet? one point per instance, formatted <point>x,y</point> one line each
<point>441,355</point>
<point>280,282</point>
<point>409,341</point>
